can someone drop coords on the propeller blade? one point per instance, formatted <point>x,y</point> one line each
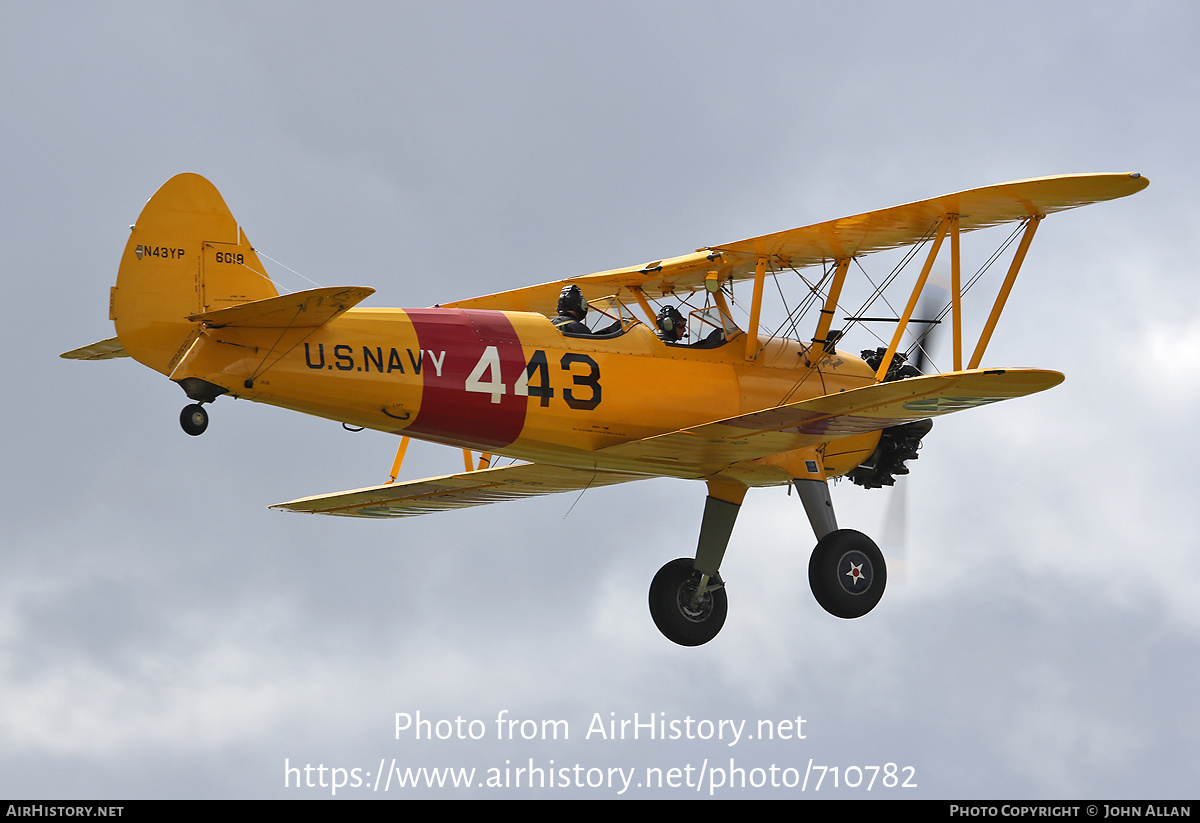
<point>935,302</point>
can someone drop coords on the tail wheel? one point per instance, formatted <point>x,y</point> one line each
<point>847,573</point>
<point>687,609</point>
<point>194,419</point>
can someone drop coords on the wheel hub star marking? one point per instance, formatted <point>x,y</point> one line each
<point>855,573</point>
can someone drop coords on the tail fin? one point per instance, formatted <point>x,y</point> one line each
<point>186,255</point>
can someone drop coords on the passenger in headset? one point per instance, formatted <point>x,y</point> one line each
<point>672,327</point>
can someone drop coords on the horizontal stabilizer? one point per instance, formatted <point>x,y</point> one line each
<point>299,310</point>
<point>104,350</point>
<point>707,449</point>
<point>456,491</point>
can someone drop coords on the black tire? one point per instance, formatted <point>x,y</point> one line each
<point>193,419</point>
<point>671,594</point>
<point>847,573</point>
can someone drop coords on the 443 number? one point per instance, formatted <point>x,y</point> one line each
<point>583,393</point>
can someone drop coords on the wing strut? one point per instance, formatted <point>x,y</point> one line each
<point>882,371</point>
<point>955,291</point>
<point>835,291</point>
<point>986,335</point>
<point>640,297</point>
<point>485,460</point>
<point>760,276</point>
<point>399,458</point>
<point>723,307</point>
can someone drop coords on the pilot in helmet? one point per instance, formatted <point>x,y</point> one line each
<point>671,326</point>
<point>572,308</point>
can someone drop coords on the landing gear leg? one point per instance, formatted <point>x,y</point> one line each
<point>687,597</point>
<point>818,505</point>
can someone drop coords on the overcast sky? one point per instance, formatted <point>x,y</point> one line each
<point>162,634</point>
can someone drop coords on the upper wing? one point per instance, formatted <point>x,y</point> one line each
<point>705,450</point>
<point>456,491</point>
<point>830,241</point>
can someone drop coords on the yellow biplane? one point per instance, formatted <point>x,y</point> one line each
<point>646,392</point>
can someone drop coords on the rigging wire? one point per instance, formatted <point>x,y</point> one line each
<point>289,268</point>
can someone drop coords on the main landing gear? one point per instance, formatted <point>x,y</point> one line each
<point>846,572</point>
<point>687,597</point>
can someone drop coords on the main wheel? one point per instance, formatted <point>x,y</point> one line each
<point>847,573</point>
<point>194,419</point>
<point>682,614</point>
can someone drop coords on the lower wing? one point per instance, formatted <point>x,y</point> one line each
<point>704,450</point>
<point>456,491</point>
<point>701,451</point>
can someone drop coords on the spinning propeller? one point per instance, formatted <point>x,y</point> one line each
<point>894,534</point>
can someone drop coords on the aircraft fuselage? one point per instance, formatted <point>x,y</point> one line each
<point>510,383</point>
